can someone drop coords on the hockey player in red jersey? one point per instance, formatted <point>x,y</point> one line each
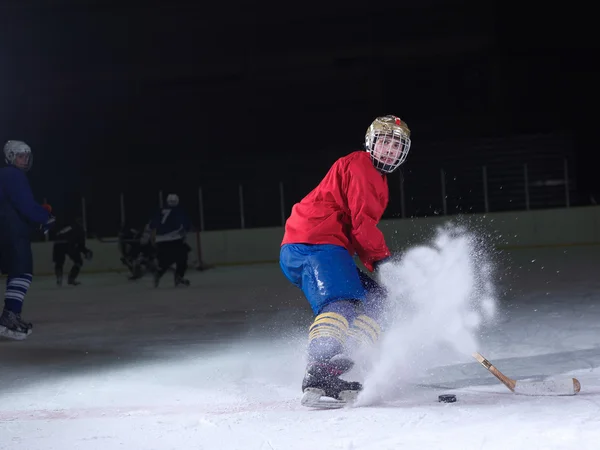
<point>325,230</point>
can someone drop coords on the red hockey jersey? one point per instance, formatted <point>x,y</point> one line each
<point>344,209</point>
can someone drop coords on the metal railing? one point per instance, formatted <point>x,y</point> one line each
<point>419,191</point>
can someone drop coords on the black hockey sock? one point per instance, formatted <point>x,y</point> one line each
<point>74,272</point>
<point>180,271</point>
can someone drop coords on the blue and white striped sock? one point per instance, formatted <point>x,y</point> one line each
<point>16,288</point>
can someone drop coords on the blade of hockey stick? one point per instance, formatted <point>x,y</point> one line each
<point>569,386</point>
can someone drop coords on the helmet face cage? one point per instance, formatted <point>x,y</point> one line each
<point>388,142</point>
<point>18,154</point>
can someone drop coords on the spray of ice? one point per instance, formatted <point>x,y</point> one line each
<point>439,297</point>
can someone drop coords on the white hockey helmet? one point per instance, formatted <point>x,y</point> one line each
<point>388,142</point>
<point>18,154</point>
<point>172,200</point>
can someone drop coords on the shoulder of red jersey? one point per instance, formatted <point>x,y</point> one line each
<point>361,161</point>
<point>357,157</point>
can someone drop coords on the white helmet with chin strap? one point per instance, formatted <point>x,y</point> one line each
<point>172,200</point>
<point>18,154</point>
<point>388,142</point>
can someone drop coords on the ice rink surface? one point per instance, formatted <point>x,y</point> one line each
<point>114,364</point>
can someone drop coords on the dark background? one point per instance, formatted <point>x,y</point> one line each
<point>138,97</point>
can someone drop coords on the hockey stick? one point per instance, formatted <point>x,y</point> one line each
<point>109,241</point>
<point>569,386</point>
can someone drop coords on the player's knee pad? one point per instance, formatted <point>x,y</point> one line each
<point>364,331</point>
<point>329,325</point>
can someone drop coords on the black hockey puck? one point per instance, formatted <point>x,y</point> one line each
<point>447,398</point>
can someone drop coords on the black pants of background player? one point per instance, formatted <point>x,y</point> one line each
<point>169,253</point>
<point>139,259</point>
<point>59,254</point>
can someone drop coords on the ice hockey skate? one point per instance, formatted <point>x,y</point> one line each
<point>180,281</point>
<point>13,327</point>
<point>58,272</point>
<point>323,387</point>
<point>156,277</point>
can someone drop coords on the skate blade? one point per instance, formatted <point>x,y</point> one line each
<point>315,398</point>
<point>9,334</point>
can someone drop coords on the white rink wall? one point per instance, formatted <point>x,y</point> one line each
<point>521,229</point>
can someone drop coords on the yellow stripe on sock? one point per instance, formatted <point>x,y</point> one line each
<point>331,317</point>
<point>327,331</point>
<point>329,325</point>
<point>365,329</point>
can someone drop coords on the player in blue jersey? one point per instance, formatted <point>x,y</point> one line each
<point>169,228</point>
<point>19,216</point>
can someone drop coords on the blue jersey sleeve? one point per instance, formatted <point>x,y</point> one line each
<point>16,188</point>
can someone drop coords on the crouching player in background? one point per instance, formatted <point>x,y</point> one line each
<point>70,241</point>
<point>334,222</point>
<point>169,228</point>
<point>19,215</point>
<point>137,251</point>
